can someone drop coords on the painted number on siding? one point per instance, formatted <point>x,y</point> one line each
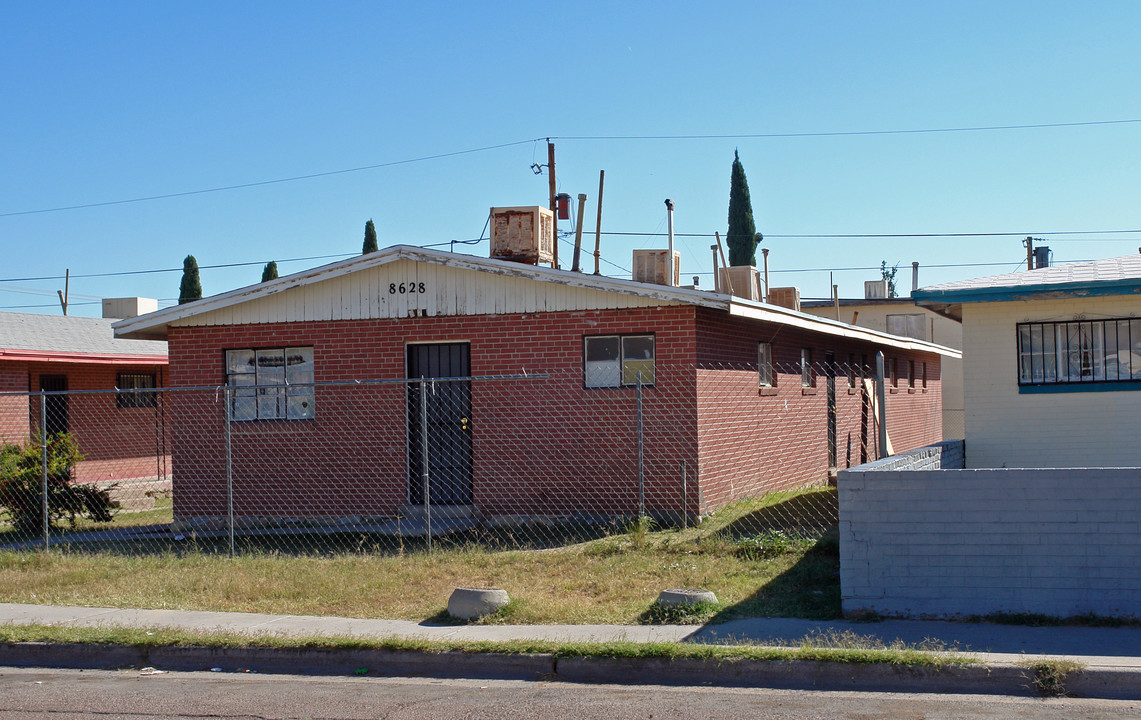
<point>406,288</point>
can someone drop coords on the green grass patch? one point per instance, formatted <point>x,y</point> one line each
<point>1050,675</point>
<point>817,651</point>
<point>756,566</point>
<point>1040,620</point>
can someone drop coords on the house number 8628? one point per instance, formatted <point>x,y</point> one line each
<point>405,288</point>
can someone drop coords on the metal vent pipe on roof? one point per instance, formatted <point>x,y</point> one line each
<point>914,275</point>
<point>670,232</point>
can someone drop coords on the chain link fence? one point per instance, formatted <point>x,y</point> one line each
<point>536,459</point>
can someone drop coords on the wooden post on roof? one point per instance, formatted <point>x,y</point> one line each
<point>598,223</point>
<point>554,200</point>
<point>64,293</point>
<point>721,250</point>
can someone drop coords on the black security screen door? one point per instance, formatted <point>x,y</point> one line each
<point>56,409</point>
<point>448,424</point>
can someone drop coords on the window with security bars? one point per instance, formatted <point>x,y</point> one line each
<point>271,383</point>
<point>1079,351</point>
<point>617,360</point>
<point>135,381</point>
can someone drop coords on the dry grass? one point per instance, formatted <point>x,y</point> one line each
<point>611,580</point>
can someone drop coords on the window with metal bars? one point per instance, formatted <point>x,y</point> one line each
<point>135,382</point>
<point>1079,351</point>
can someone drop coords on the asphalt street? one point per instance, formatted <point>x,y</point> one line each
<point>141,694</point>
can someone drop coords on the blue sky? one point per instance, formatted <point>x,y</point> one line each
<point>106,102</point>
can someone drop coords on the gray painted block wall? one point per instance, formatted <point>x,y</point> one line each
<point>954,542</point>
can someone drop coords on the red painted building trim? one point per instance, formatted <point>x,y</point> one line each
<point>86,358</point>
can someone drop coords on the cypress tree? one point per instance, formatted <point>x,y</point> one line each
<point>270,271</point>
<point>369,238</point>
<point>190,288</point>
<point>742,237</point>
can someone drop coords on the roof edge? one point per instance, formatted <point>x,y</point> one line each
<point>153,326</point>
<point>776,313</point>
<point>78,357</point>
<point>1010,293</point>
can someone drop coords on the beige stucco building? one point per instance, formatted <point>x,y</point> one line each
<point>1051,364</point>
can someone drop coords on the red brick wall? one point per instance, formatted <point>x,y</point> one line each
<point>753,441</point>
<point>544,446</point>
<point>547,446</point>
<point>116,443</point>
<point>13,408</point>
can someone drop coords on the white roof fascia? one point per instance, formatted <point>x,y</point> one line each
<point>785,316</point>
<point>156,322</point>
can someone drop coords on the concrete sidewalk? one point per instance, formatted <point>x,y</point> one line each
<point>1110,655</point>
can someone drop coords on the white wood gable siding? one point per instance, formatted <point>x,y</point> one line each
<point>366,294</point>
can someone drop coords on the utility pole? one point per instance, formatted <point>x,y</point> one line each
<point>554,200</point>
<point>598,224</point>
<point>63,294</point>
<point>1029,243</point>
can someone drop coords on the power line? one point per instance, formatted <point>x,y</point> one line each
<point>438,156</point>
<point>260,183</point>
<point>848,133</point>
<point>177,269</point>
<point>878,236</point>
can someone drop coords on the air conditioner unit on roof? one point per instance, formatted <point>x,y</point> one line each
<point>523,234</point>
<point>788,297</point>
<point>653,266</point>
<point>875,289</point>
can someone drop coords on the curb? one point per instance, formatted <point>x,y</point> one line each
<point>976,679</point>
<point>802,675</point>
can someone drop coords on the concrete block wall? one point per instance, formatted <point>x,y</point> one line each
<point>947,455</point>
<point>946,543</point>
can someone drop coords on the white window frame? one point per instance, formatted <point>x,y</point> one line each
<point>807,372</point>
<point>264,393</point>
<point>767,377</point>
<point>621,370</point>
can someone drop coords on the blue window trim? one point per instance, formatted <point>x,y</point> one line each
<point>1117,386</point>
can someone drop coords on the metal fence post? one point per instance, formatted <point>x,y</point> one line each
<point>44,463</point>
<point>226,391</point>
<point>684,498</point>
<point>881,400</point>
<point>424,458</point>
<point>641,462</point>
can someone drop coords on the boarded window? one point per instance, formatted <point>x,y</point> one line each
<point>271,383</point>
<point>912,326</point>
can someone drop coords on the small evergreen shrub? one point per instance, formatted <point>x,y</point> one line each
<point>21,485</point>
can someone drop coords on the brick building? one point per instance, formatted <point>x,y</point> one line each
<point>751,397</point>
<point>901,316</point>
<point>116,432</point>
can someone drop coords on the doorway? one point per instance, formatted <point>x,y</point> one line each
<point>448,424</point>
<point>830,381</point>
<point>56,406</point>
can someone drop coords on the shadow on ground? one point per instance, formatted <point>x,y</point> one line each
<point>802,531</point>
